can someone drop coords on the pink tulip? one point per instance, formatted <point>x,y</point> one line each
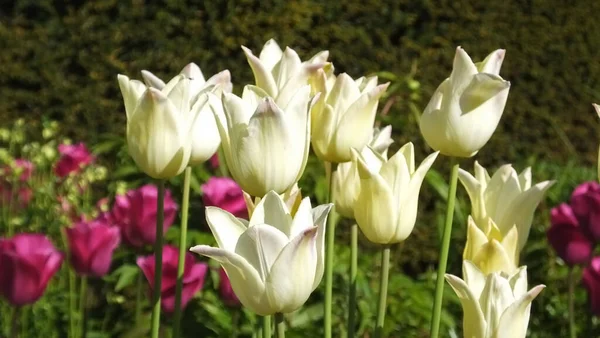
<point>224,193</point>
<point>193,276</point>
<point>135,214</point>
<point>585,202</point>
<point>214,161</point>
<point>591,281</point>
<point>227,294</point>
<point>92,245</point>
<point>567,238</point>
<point>27,262</point>
<point>72,159</point>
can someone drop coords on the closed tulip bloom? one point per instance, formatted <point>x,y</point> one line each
<point>465,109</point>
<point>27,263</point>
<point>193,276</point>
<point>489,250</point>
<point>280,74</point>
<point>275,260</point>
<point>386,206</point>
<point>495,305</point>
<point>265,145</point>
<point>507,198</point>
<point>159,125</point>
<point>135,214</point>
<point>91,245</point>
<point>205,135</point>
<point>73,157</point>
<point>224,193</point>
<point>343,117</point>
<point>226,291</point>
<point>585,202</point>
<point>567,238</point>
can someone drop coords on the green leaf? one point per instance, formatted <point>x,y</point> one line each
<point>127,274</point>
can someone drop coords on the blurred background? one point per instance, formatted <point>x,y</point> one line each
<point>59,62</point>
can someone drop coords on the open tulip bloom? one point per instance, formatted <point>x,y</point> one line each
<point>275,260</point>
<point>489,250</point>
<point>495,305</point>
<point>465,109</point>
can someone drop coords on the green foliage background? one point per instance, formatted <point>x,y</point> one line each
<point>59,60</point>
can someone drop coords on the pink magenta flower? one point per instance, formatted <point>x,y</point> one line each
<point>227,294</point>
<point>92,245</point>
<point>567,238</point>
<point>224,193</point>
<point>72,159</point>
<point>591,281</point>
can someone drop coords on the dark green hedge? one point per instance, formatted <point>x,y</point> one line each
<point>60,60</point>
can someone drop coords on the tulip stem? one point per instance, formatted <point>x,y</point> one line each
<point>138,298</point>
<point>182,251</point>
<point>223,170</point>
<point>443,261</point>
<point>280,324</point>
<point>352,284</point>
<point>329,251</point>
<point>158,248</point>
<point>72,304</point>
<point>383,287</point>
<point>571,301</point>
<point>82,304</point>
<point>266,326</point>
<point>14,322</point>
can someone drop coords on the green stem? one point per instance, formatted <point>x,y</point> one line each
<point>14,322</point>
<point>182,251</point>
<point>82,304</point>
<point>571,295</point>
<point>439,286</point>
<point>258,329</point>
<point>223,170</point>
<point>352,285</point>
<point>329,252</point>
<point>158,248</point>
<point>138,298</point>
<point>383,287</point>
<point>235,322</point>
<point>72,300</point>
<point>280,325</point>
<point>266,326</point>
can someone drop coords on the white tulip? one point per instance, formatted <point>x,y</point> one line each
<point>275,260</point>
<point>489,250</point>
<point>507,198</point>
<point>465,109</point>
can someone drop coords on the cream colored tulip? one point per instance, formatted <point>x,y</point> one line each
<point>276,259</point>
<point>265,145</point>
<point>343,117</point>
<point>494,305</point>
<point>387,202</point>
<point>465,109</point>
<point>489,250</point>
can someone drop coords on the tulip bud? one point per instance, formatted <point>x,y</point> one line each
<point>489,251</point>
<point>27,263</point>
<point>275,260</point>
<point>227,294</point>
<point>585,202</point>
<point>224,193</point>
<point>91,245</point>
<point>567,238</point>
<point>343,118</point>
<point>507,198</point>
<point>135,214</point>
<point>266,146</point>
<point>193,276</point>
<point>494,305</point>
<point>72,159</point>
<point>386,206</point>
<point>465,109</point>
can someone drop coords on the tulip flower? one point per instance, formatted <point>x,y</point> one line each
<point>92,245</point>
<point>227,294</point>
<point>193,276</point>
<point>494,305</point>
<point>27,263</point>
<point>135,214</point>
<point>205,135</point>
<point>567,237</point>
<point>489,251</point>
<point>346,182</point>
<point>280,74</point>
<point>465,109</point>
<point>292,199</point>
<point>72,159</point>
<point>160,124</point>
<point>214,161</point>
<point>386,206</point>
<point>507,198</point>
<point>591,281</point>
<point>343,117</point>
<point>266,145</point>
<point>224,193</point>
<point>585,202</point>
<point>275,260</point>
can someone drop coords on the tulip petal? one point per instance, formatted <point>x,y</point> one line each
<point>132,91</point>
<point>272,210</point>
<point>474,278</point>
<point>225,227</point>
<point>481,89</point>
<point>152,80</point>
<point>492,63</point>
<point>290,281</point>
<point>287,67</point>
<point>475,240</point>
<point>495,298</point>
<point>474,324</point>
<point>320,214</point>
<point>515,319</point>
<point>303,219</point>
<point>463,70</point>
<point>262,75</point>
<point>376,211</point>
<point>270,54</point>
<point>260,245</point>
